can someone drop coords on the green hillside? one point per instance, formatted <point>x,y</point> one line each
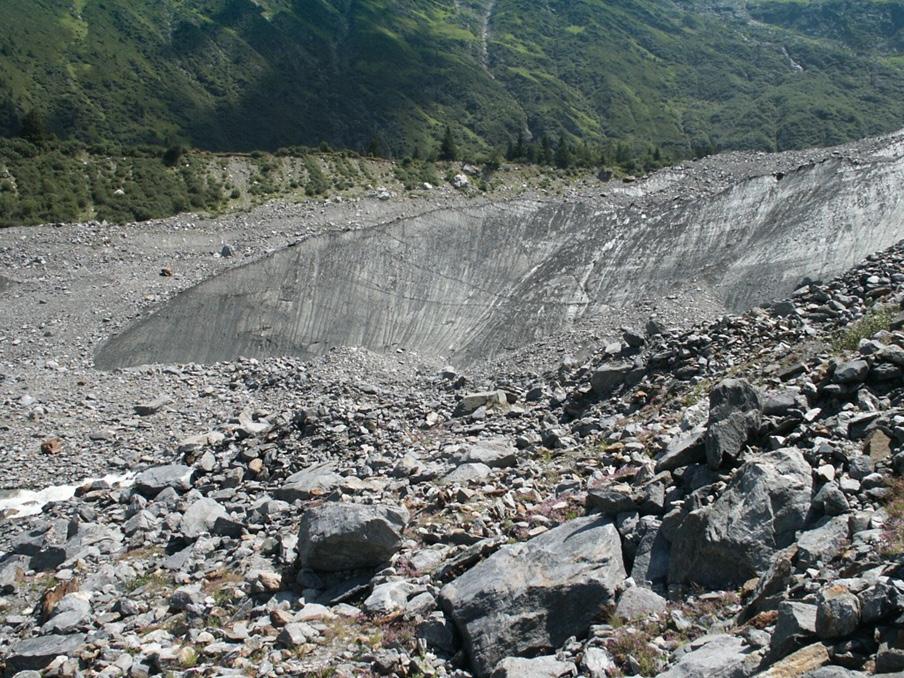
<point>686,75</point>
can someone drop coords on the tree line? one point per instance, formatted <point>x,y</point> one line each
<point>561,152</point>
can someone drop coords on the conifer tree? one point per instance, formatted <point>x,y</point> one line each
<point>447,149</point>
<point>546,154</point>
<point>563,153</point>
<point>33,128</point>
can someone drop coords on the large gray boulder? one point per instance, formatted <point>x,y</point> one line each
<point>200,517</point>
<point>495,453</point>
<point>495,401</point>
<point>47,549</point>
<point>651,560</point>
<point>734,539</point>
<point>824,542</point>
<point>538,667</point>
<point>336,537</point>
<point>534,595</point>
<point>795,625</point>
<point>683,450</point>
<point>71,613</point>
<point>721,656</point>
<point>467,473</point>
<point>611,376</point>
<point>735,412</point>
<point>638,603</point>
<point>154,480</point>
<point>851,372</point>
<point>12,570</point>
<point>36,653</point>
<point>313,481</point>
<point>610,500</point>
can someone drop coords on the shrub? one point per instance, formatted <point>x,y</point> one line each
<point>317,183</point>
<point>415,172</point>
<point>876,319</point>
<point>631,643</point>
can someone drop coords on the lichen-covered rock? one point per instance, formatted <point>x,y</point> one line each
<point>838,612</point>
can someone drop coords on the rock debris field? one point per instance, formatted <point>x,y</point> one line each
<point>649,428</point>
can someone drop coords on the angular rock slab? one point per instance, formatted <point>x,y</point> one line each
<point>336,537</point>
<point>200,517</point>
<point>311,482</point>
<point>796,623</point>
<point>716,657</point>
<point>154,480</point>
<point>651,560</point>
<point>36,653</point>
<point>534,595</point>
<point>538,667</point>
<point>683,450</point>
<point>496,401</point>
<point>638,603</point>
<point>734,539</point>
<point>735,411</point>
<point>609,377</point>
<point>495,453</point>
<point>71,612</point>
<point>824,542</point>
<point>801,663</point>
<point>11,570</point>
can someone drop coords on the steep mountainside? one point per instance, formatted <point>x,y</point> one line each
<point>235,74</point>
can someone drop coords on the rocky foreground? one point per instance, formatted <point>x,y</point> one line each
<point>720,500</point>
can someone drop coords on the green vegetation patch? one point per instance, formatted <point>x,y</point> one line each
<point>876,319</point>
<point>66,181</point>
<point>240,75</point>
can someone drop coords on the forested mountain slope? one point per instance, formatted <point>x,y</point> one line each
<point>686,75</point>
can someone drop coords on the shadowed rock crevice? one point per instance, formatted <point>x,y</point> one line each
<point>471,283</point>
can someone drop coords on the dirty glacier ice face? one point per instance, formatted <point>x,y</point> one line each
<point>468,284</point>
